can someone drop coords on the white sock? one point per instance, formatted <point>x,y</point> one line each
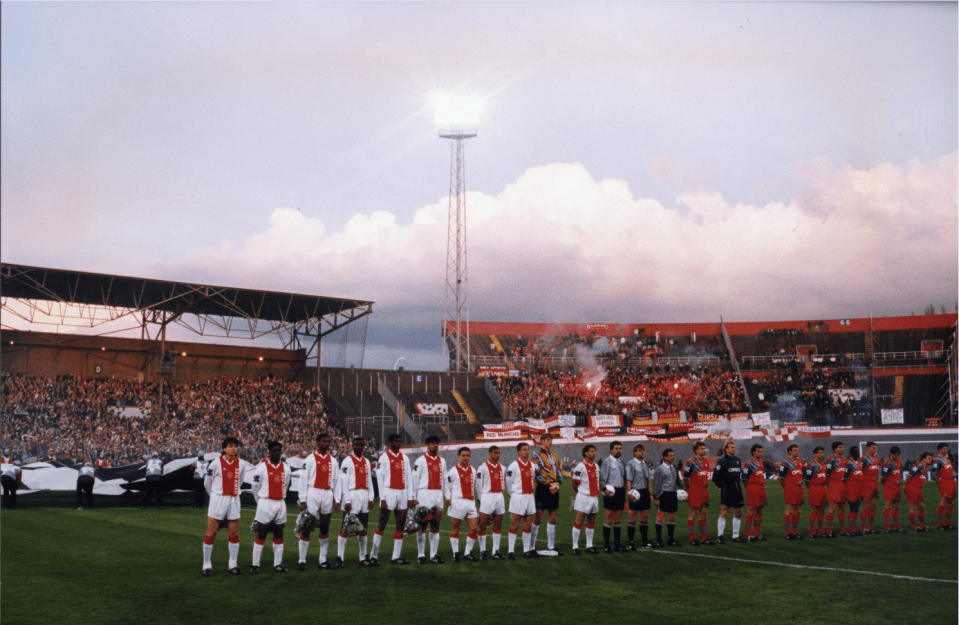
<point>551,536</point>
<point>304,546</point>
<point>470,541</point>
<point>526,540</point>
<point>377,539</point>
<point>482,542</point>
<point>207,554</point>
<point>257,552</point>
<point>362,547</point>
<point>511,541</point>
<point>736,523</point>
<point>340,545</point>
<point>277,554</point>
<point>497,539</point>
<point>576,531</point>
<point>589,537</point>
<point>434,544</point>
<point>721,526</point>
<point>421,544</point>
<point>234,549</point>
<point>533,536</point>
<point>455,543</point>
<point>324,548</point>
<point>397,546</point>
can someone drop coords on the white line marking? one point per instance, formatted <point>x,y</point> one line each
<point>792,566</point>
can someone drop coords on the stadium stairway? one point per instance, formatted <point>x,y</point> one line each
<point>464,407</point>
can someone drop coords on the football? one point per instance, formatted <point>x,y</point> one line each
<point>682,495</point>
<point>554,488</point>
<point>634,495</point>
<point>610,490</point>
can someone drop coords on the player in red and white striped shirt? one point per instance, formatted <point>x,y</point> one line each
<point>271,479</point>
<point>586,505</point>
<point>429,474</point>
<point>462,504</point>
<point>355,491</point>
<point>490,485</point>
<point>396,493</point>
<point>318,485</point>
<point>520,482</point>
<point>224,476</point>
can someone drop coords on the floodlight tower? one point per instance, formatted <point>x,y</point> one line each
<point>457,119</point>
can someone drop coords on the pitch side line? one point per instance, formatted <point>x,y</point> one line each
<point>792,566</point>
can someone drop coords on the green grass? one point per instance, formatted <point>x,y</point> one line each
<point>123,565</point>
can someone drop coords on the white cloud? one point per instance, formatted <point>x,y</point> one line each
<point>557,245</point>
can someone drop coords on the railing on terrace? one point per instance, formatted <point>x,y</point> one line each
<point>816,358</point>
<point>529,361</point>
<point>911,355</point>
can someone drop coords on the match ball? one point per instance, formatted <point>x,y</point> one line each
<point>554,488</point>
<point>610,490</point>
<point>682,495</point>
<point>634,495</point>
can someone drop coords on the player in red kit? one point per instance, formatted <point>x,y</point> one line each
<point>696,480</point>
<point>432,489</point>
<point>490,486</point>
<point>271,479</point>
<point>871,465</point>
<point>318,486</point>
<point>791,478</point>
<point>461,504</point>
<point>396,494</point>
<point>836,488</point>
<point>891,478</point>
<point>586,504</point>
<point>520,482</point>
<point>754,475</point>
<point>912,484</point>
<point>224,476</point>
<point>815,476</point>
<point>945,476</point>
<point>356,494</point>
<point>854,479</point>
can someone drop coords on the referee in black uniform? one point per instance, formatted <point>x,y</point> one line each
<point>728,477</point>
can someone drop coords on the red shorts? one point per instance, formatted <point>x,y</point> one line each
<point>947,488</point>
<point>698,497</point>
<point>837,492</point>
<point>914,496</point>
<point>870,490</point>
<point>853,491</point>
<point>891,491</point>
<point>817,496</point>
<point>755,494</point>
<point>793,495</point>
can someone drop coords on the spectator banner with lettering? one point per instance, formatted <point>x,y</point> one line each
<point>601,432</point>
<point>565,420</point>
<point>492,370</point>
<point>433,409</point>
<point>892,416</point>
<point>814,432</point>
<point>668,417</point>
<point>491,435</point>
<point>646,430</point>
<point>739,416</point>
<point>606,421</point>
<point>505,425</point>
<point>680,427</point>
<point>644,420</point>
<point>568,433</point>
<point>711,417</point>
<point>761,419</point>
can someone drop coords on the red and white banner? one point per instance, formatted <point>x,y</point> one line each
<point>680,427</point>
<point>432,409</point>
<point>495,435</point>
<point>774,436</point>
<point>643,421</point>
<point>646,430</point>
<point>814,432</point>
<point>505,425</point>
<point>761,419</point>
<point>606,421</point>
<point>739,416</point>
<point>710,417</point>
<point>669,417</point>
<point>564,420</point>
<point>492,370</point>
<point>629,399</point>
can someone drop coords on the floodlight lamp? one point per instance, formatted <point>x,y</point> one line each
<point>456,116</point>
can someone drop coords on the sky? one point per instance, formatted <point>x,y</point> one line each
<point>635,162</point>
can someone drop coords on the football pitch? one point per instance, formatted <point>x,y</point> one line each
<point>124,565</point>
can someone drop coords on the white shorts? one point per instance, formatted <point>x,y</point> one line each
<point>394,498</point>
<point>360,500</point>
<point>319,501</point>
<point>224,507</point>
<point>586,504</point>
<point>492,504</point>
<point>462,509</point>
<point>523,505</point>
<point>270,511</point>
<point>430,498</point>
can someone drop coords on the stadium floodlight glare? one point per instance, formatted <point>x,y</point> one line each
<point>456,116</point>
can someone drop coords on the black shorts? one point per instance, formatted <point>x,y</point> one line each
<point>617,502</point>
<point>731,496</point>
<point>544,499</point>
<point>668,501</point>
<point>644,502</point>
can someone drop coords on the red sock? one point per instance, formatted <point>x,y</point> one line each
<point>692,530</point>
<point>749,525</point>
<point>885,518</point>
<point>829,520</point>
<point>702,528</point>
<point>787,521</point>
<point>853,517</point>
<point>948,514</point>
<point>795,523</point>
<point>939,512</point>
<point>812,522</point>
<point>912,519</point>
<point>757,523</point>
<point>922,519</point>
<point>895,519</point>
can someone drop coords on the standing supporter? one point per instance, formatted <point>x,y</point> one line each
<point>462,504</point>
<point>271,478</point>
<point>945,476</point>
<point>791,478</point>
<point>549,477</point>
<point>871,466</point>
<point>154,481</point>
<point>356,494</point>
<point>815,477</point>
<point>612,473</point>
<point>522,506</point>
<point>912,484</point>
<point>319,480</point>
<point>891,477</point>
<point>223,479</point>
<point>85,480</point>
<point>429,476</point>
<point>11,479</point>
<point>637,482</point>
<point>586,503</point>
<point>854,487</point>
<point>836,488</point>
<point>696,481</point>
<point>664,483</point>
<point>754,475</point>
<point>397,494</point>
<point>491,484</point>
<point>728,477</point>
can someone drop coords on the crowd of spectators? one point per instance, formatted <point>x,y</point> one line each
<point>69,419</point>
<point>585,391</point>
<point>574,346</point>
